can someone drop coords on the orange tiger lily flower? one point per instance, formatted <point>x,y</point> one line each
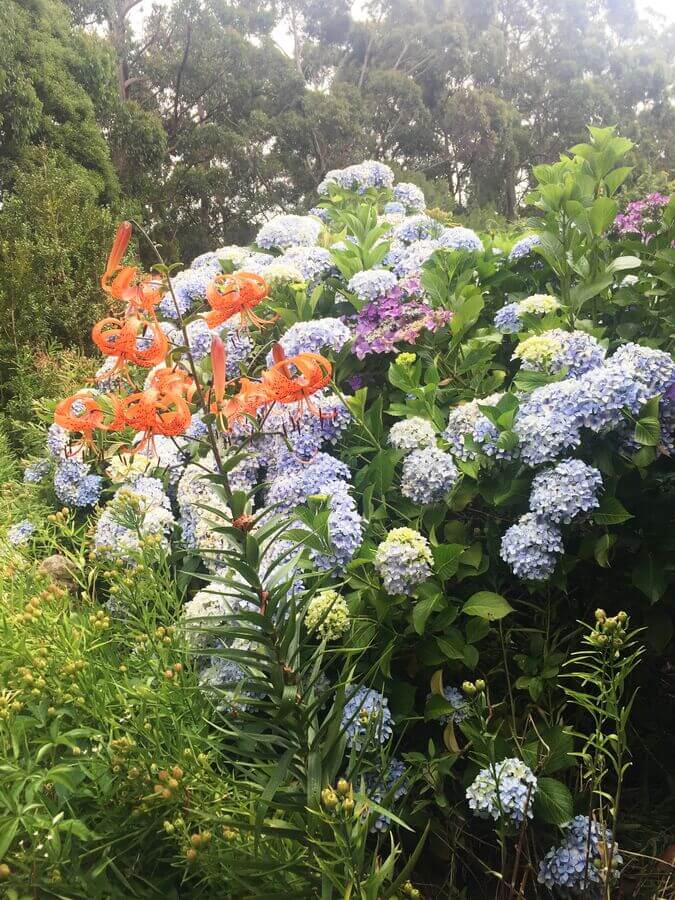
<point>152,414</point>
<point>229,295</point>
<point>296,378</point>
<point>84,413</point>
<point>173,380</point>
<point>141,293</point>
<point>119,337</point>
<point>246,402</point>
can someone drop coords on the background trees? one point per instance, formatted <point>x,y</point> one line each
<point>210,113</point>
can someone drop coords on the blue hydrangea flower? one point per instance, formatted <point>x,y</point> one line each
<point>572,865</point>
<point>507,319</point>
<point>286,231</point>
<point>412,434</point>
<point>139,508</point>
<point>412,258</point>
<point>37,471</point>
<point>505,789</point>
<point>20,533</point>
<point>345,527</point>
<point>371,284</point>
<point>367,174</point>
<point>74,485</point>
<point>555,350</point>
<point>57,441</point>
<point>653,369</point>
<point>416,228</point>
<point>459,238</point>
<point>427,475</point>
<point>257,262</point>
<point>403,560</point>
<point>320,213</point>
<point>460,705</point>
<point>530,548</point>
<point>296,481</point>
<point>311,262</point>
<point>565,491</point>
<point>409,196</point>
<point>314,336</point>
<point>524,246</point>
<point>366,719</point>
<point>189,286</point>
<point>394,209</point>
<point>386,788</point>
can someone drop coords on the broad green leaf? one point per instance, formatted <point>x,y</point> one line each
<point>611,512</point>
<point>487,605</point>
<point>446,559</point>
<point>423,609</point>
<point>553,802</point>
<point>602,214</point>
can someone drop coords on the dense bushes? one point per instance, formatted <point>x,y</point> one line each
<point>365,611</point>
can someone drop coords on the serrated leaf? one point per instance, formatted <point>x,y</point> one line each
<point>423,609</point>
<point>446,559</point>
<point>553,802</point>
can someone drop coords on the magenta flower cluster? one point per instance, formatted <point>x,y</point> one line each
<point>639,213</point>
<point>395,318</point>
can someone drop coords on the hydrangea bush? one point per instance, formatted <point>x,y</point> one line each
<point>359,456</point>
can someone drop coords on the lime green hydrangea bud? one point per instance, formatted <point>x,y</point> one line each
<point>327,613</point>
<point>406,359</point>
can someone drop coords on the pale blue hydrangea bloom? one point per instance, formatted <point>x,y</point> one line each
<point>571,866</point>
<point>403,560</point>
<point>286,231</point>
<point>507,319</point>
<point>651,368</point>
<point>506,789</point>
<point>74,486</point>
<point>461,422</point>
<point>366,718</point>
<point>57,441</point>
<point>20,533</point>
<point>459,238</point>
<point>37,471</point>
<point>460,705</point>
<point>311,262</point>
<point>371,284</point>
<point>394,209</point>
<point>563,492</point>
<point>360,177</point>
<point>531,547</point>
<point>345,527</point>
<point>385,789</point>
<point>320,213</point>
<point>257,262</point>
<point>416,228</point>
<point>139,508</point>
<point>524,246</point>
<point>576,351</point>
<point>412,259</point>
<point>409,196</point>
<point>427,475</point>
<point>412,434</point>
<point>314,336</point>
<point>189,286</point>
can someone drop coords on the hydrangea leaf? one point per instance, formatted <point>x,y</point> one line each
<point>487,605</point>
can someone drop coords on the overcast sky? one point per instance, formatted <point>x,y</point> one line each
<point>661,12</point>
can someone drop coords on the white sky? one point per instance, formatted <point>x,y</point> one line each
<point>661,12</point>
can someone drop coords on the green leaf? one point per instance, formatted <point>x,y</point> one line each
<point>451,645</point>
<point>611,512</point>
<point>624,262</point>
<point>423,609</point>
<point>648,431</point>
<point>602,547</point>
<point>649,577</point>
<point>602,214</point>
<point>553,802</point>
<point>487,605</point>
<point>446,559</point>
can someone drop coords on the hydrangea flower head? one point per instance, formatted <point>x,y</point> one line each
<point>282,271</point>
<point>459,238</point>
<point>394,209</point>
<point>403,560</point>
<point>412,434</point>
<point>460,706</point>
<point>286,231</point>
<point>310,262</point>
<point>379,787</point>
<point>37,471</point>
<point>565,491</point>
<point>20,533</point>
<point>571,866</point>
<point>366,718</point>
<point>367,174</point>
<point>409,196</point>
<point>328,614</point>
<point>74,486</point>
<point>530,548</point>
<point>555,350</point>
<point>505,789</point>
<point>412,258</point>
<point>314,336</point>
<point>371,284</point>
<point>427,475</point>
<point>416,228</point>
<point>524,246</point>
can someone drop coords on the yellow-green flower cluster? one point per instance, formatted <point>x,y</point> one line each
<point>327,613</point>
